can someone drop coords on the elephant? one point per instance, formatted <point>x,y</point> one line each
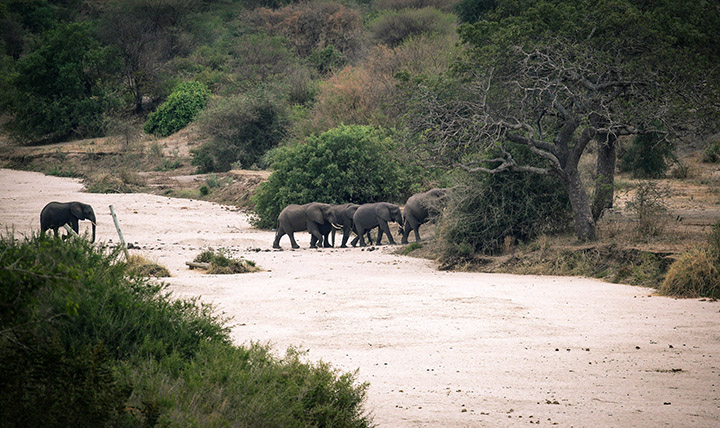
<point>315,217</point>
<point>378,214</point>
<point>418,208</point>
<point>344,217</point>
<point>56,214</point>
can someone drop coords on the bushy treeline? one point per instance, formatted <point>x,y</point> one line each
<point>85,343</point>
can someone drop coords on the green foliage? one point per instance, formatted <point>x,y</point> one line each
<point>711,154</point>
<point>327,59</point>
<point>181,107</point>
<point>649,156</point>
<point>60,88</point>
<point>486,209</point>
<point>84,342</point>
<point>393,27</point>
<point>345,164</point>
<point>242,128</point>
<point>221,262</point>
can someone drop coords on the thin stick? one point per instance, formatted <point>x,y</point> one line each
<point>122,239</point>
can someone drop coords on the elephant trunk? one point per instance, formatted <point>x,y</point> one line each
<point>94,225</point>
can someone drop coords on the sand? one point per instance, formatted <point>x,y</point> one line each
<point>439,349</point>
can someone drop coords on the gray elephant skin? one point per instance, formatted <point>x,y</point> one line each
<point>419,208</point>
<point>57,214</point>
<point>378,214</point>
<point>344,218</point>
<point>314,217</point>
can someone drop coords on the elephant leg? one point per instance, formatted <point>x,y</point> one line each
<point>360,237</point>
<point>385,228</point>
<point>326,240</point>
<point>315,232</point>
<point>406,232</point>
<point>379,235</point>
<point>278,234</point>
<point>417,233</point>
<point>346,236</point>
<point>294,244</point>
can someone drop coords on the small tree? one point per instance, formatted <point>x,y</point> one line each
<point>242,129</point>
<point>60,88</point>
<point>181,107</point>
<point>344,164</point>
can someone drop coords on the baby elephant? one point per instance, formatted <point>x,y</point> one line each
<point>369,216</point>
<point>57,214</point>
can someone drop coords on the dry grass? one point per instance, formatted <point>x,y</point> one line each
<point>142,266</point>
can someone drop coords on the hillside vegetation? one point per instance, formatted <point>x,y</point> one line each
<point>547,118</point>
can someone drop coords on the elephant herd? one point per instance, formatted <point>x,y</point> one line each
<point>321,219</point>
<point>318,219</point>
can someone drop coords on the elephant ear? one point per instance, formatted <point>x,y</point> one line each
<point>383,212</point>
<point>315,214</point>
<point>76,210</point>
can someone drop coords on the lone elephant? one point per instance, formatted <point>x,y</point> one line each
<point>314,217</point>
<point>57,214</point>
<point>378,214</point>
<point>419,208</point>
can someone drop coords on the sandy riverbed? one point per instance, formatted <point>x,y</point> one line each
<point>439,349</point>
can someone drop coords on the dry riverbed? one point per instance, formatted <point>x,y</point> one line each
<point>439,349</point>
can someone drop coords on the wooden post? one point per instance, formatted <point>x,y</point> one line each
<point>122,239</point>
<point>70,230</point>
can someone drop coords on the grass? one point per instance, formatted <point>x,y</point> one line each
<point>222,263</point>
<point>141,266</point>
<point>84,341</point>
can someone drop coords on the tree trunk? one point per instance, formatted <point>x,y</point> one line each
<point>582,214</point>
<point>605,182</point>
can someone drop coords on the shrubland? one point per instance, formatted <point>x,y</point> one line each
<point>84,341</point>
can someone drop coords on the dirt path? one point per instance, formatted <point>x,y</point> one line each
<point>439,349</point>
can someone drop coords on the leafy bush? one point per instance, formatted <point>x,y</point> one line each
<point>181,107</point>
<point>242,129</point>
<point>85,342</point>
<point>60,88</point>
<point>345,164</point>
<point>649,156</point>
<point>222,263</point>
<point>712,152</point>
<point>393,27</point>
<point>484,209</point>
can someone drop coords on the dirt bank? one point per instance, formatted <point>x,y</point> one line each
<point>439,349</point>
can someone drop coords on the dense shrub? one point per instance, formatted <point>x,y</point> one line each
<point>486,209</point>
<point>649,156</point>
<point>695,274</point>
<point>241,129</point>
<point>60,88</point>
<point>181,107</point>
<point>345,164</point>
<point>711,154</point>
<point>393,27</point>
<point>86,343</point>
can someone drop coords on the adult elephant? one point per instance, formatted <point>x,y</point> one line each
<point>378,214</point>
<point>314,217</point>
<point>57,214</point>
<point>344,218</point>
<point>418,209</point>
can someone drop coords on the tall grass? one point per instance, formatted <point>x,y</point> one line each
<point>86,343</point>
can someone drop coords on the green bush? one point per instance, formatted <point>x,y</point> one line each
<point>60,88</point>
<point>712,152</point>
<point>486,209</point>
<point>345,164</point>
<point>242,129</point>
<point>85,342</point>
<point>181,107</point>
<point>649,156</point>
<point>393,27</point>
